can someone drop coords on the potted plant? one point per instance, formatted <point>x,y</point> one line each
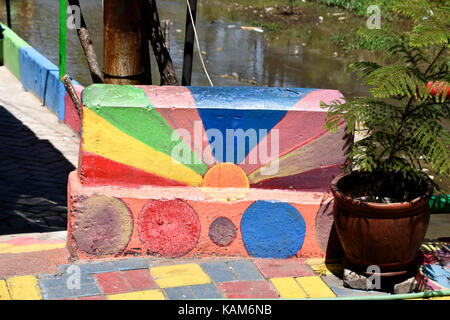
<point>381,208</point>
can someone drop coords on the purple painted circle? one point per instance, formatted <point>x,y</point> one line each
<point>326,234</point>
<point>103,226</point>
<point>222,232</point>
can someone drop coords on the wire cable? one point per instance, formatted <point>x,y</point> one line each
<point>198,44</point>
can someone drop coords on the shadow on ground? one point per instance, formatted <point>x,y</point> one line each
<point>33,180</point>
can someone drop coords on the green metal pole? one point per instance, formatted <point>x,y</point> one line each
<point>62,37</point>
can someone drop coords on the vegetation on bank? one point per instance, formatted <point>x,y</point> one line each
<point>359,6</point>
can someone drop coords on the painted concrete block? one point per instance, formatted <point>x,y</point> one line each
<point>35,71</point>
<point>4,292</point>
<point>288,288</point>
<point>206,291</point>
<point>154,294</point>
<point>58,293</point>
<point>1,52</point>
<point>219,271</point>
<point>272,268</point>
<point>11,46</point>
<point>132,264</point>
<point>54,94</point>
<point>139,279</point>
<point>179,293</point>
<point>191,171</point>
<point>112,283</point>
<point>41,76</point>
<point>179,275</point>
<point>260,289</point>
<point>92,268</point>
<point>245,270</point>
<point>71,117</point>
<point>24,288</point>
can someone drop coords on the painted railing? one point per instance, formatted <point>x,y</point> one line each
<point>38,75</point>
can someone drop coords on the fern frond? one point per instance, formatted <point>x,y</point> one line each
<point>383,39</point>
<point>430,33</point>
<point>393,80</point>
<point>364,68</point>
<point>415,9</point>
<point>433,142</point>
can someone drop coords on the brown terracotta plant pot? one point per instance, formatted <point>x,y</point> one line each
<point>388,235</point>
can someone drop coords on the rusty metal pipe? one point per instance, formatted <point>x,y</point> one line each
<point>124,55</point>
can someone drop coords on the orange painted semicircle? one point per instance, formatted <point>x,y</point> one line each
<point>225,175</point>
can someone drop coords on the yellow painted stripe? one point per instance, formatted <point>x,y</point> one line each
<point>315,287</point>
<point>4,294</point>
<point>8,248</point>
<point>179,275</point>
<point>24,288</point>
<point>138,295</point>
<point>288,288</point>
<point>102,138</point>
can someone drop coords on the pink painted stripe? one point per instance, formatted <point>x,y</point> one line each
<point>30,241</point>
<point>194,136</point>
<point>294,130</point>
<point>177,106</point>
<point>311,102</point>
<point>302,124</point>
<point>169,96</point>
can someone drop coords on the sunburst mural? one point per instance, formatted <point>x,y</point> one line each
<point>209,145</point>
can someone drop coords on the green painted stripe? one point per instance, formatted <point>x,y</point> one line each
<point>149,127</point>
<point>101,95</point>
<point>129,109</point>
<point>11,45</point>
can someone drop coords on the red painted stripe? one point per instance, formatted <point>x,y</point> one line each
<point>96,170</point>
<point>71,117</point>
<point>314,180</point>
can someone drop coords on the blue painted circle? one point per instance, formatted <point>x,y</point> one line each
<point>272,229</point>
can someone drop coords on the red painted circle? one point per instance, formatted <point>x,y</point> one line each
<point>169,228</point>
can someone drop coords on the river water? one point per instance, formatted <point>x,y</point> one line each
<point>234,56</point>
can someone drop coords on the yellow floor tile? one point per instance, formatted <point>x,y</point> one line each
<point>4,294</point>
<point>288,288</point>
<point>24,288</point>
<point>138,295</point>
<point>315,287</point>
<point>179,275</point>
